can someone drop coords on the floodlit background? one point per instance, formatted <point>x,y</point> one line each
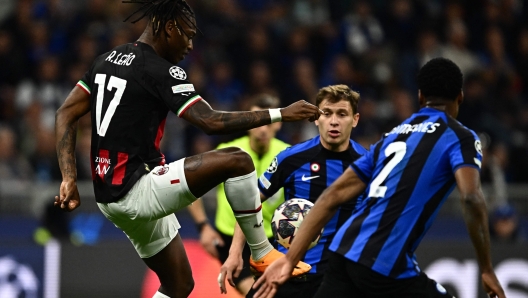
<point>287,48</point>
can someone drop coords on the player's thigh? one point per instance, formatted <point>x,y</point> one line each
<point>161,192</point>
<point>148,236</point>
<point>207,170</point>
<point>171,264</point>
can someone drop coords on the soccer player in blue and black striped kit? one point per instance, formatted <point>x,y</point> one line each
<point>307,169</point>
<point>407,176</point>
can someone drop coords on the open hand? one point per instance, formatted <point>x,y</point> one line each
<point>230,269</point>
<point>276,274</point>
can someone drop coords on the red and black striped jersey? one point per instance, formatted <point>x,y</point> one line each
<point>131,90</point>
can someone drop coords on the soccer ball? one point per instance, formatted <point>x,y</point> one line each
<point>287,219</point>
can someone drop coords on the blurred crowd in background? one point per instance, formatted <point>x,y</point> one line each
<point>289,48</point>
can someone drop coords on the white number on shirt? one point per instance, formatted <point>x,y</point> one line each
<point>399,149</point>
<point>114,82</point>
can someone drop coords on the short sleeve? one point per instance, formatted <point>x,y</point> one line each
<point>465,150</point>
<point>175,91</point>
<point>273,178</point>
<point>364,165</point>
<point>84,83</point>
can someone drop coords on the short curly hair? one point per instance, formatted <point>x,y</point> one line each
<point>440,77</point>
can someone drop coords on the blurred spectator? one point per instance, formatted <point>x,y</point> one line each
<point>255,45</point>
<point>342,71</point>
<point>12,70</point>
<point>310,12</point>
<point>260,79</point>
<point>427,48</point>
<point>223,89</point>
<point>401,23</point>
<point>361,29</point>
<point>44,158</point>
<point>45,90</point>
<point>287,48</point>
<point>13,165</point>
<point>495,162</point>
<point>402,106</point>
<point>522,62</point>
<point>302,83</point>
<point>504,225</point>
<point>456,47</point>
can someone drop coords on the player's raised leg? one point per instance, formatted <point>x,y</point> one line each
<point>235,167</point>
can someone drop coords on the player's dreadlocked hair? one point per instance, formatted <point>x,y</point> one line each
<point>160,12</point>
<point>440,77</point>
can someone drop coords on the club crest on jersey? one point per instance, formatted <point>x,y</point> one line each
<point>162,170</point>
<point>177,73</point>
<point>315,167</point>
<point>478,146</point>
<point>273,166</point>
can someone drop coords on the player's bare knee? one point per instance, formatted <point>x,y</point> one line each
<point>238,161</point>
<point>180,288</point>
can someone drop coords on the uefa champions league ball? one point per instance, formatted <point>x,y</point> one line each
<point>287,219</point>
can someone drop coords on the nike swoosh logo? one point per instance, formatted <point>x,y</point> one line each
<point>308,178</point>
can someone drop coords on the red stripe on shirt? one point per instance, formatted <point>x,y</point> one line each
<point>159,136</point>
<point>102,165</point>
<point>175,181</point>
<point>120,168</point>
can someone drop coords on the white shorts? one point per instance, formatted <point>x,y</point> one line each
<point>146,212</point>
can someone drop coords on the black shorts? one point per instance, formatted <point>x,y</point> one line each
<point>304,286</point>
<point>223,254</point>
<point>345,278</point>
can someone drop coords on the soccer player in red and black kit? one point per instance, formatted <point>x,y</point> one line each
<point>129,92</point>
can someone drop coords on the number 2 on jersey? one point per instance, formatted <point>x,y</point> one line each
<point>114,82</point>
<point>399,149</point>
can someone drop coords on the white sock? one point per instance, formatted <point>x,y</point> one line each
<point>159,295</point>
<point>244,197</point>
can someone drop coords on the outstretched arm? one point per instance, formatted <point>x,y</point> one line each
<point>346,187</point>
<point>476,218</point>
<point>219,122</point>
<point>76,105</point>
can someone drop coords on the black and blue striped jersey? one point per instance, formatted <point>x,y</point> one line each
<point>409,173</point>
<point>305,171</point>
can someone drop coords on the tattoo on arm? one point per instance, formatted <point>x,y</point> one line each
<point>66,152</point>
<point>227,122</point>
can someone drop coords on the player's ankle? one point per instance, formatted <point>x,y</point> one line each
<point>258,251</point>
